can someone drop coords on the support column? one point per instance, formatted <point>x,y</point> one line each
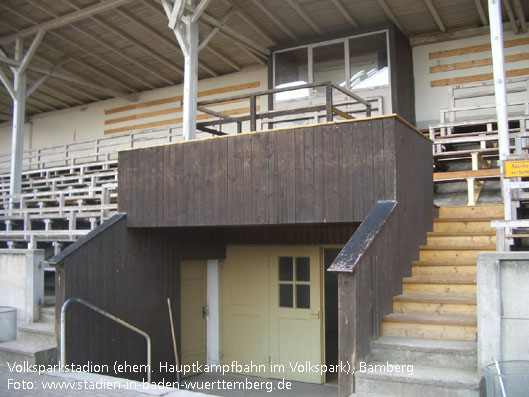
<point>498,63</point>
<point>213,319</point>
<point>17,134</point>
<point>190,80</point>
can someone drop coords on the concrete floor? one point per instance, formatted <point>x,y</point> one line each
<point>268,387</point>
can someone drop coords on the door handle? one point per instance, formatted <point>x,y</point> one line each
<point>315,315</point>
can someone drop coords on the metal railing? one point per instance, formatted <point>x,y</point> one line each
<point>98,149</point>
<point>328,107</point>
<point>108,315</point>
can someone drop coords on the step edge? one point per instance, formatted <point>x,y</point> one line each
<point>453,299</point>
<point>430,319</point>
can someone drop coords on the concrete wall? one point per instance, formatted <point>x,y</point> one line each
<point>90,121</point>
<point>503,310</point>
<point>22,282</point>
<point>435,70</point>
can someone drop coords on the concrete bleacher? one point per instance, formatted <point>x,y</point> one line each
<point>57,205</point>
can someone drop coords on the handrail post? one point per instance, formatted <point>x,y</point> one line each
<point>253,111</point>
<point>328,101</point>
<point>62,359</point>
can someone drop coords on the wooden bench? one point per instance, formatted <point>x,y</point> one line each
<point>474,179</point>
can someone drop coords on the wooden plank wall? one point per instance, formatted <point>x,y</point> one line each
<point>367,294</point>
<point>129,273</point>
<point>330,173</point>
<point>402,81</point>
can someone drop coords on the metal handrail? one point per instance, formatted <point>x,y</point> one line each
<point>108,315</point>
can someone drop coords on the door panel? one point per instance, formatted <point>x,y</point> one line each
<point>244,307</point>
<point>193,302</point>
<point>295,322</point>
<point>270,308</point>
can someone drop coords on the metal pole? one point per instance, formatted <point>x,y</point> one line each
<point>17,132</point>
<point>190,80</point>
<point>498,62</point>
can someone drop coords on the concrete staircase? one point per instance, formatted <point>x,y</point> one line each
<point>433,326</point>
<point>35,342</point>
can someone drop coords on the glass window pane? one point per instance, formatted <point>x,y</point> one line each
<point>291,69</point>
<point>303,296</point>
<point>286,273</point>
<point>329,64</point>
<point>286,295</point>
<point>368,62</point>
<point>303,269</point>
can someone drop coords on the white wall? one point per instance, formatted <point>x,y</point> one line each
<point>428,99</point>
<point>88,121</point>
<point>22,282</point>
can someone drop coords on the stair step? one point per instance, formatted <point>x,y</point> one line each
<point>40,332</point>
<point>445,354</point>
<point>443,269</point>
<point>445,253</point>
<point>33,353</point>
<point>462,239</point>
<point>456,286</point>
<point>463,224</point>
<point>422,381</point>
<point>47,314</point>
<point>430,326</point>
<point>472,211</point>
<point>435,304</point>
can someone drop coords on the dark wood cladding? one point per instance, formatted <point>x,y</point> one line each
<point>402,82</point>
<point>367,294</point>
<point>329,173</point>
<point>129,273</point>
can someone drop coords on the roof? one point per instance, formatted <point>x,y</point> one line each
<point>100,49</point>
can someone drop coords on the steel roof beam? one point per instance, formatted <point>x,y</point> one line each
<point>520,14</point>
<point>73,80</point>
<point>305,17</point>
<point>510,13</point>
<point>159,35</point>
<point>86,12</point>
<point>259,4</point>
<point>390,14</point>
<point>251,22</point>
<point>481,12</point>
<point>345,14</point>
<point>435,15</point>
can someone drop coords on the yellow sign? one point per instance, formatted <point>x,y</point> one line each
<point>516,169</point>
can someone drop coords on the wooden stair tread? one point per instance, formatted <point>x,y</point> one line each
<point>433,319</point>
<point>469,219</point>
<point>443,263</point>
<point>456,248</point>
<point>469,300</point>
<point>461,234</point>
<point>439,280</point>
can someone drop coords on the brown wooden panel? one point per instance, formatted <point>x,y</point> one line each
<point>332,172</point>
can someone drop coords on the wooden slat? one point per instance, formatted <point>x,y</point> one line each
<point>476,48</point>
<point>342,114</point>
<point>477,77</point>
<point>178,120</point>
<point>214,91</point>
<point>477,63</point>
<point>455,175</point>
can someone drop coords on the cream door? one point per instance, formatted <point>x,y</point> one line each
<point>244,308</point>
<point>193,310</point>
<point>295,312</point>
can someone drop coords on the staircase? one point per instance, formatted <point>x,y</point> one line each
<point>433,326</point>
<point>35,342</point>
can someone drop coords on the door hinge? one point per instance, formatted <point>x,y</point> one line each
<point>204,311</point>
<point>269,359</point>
